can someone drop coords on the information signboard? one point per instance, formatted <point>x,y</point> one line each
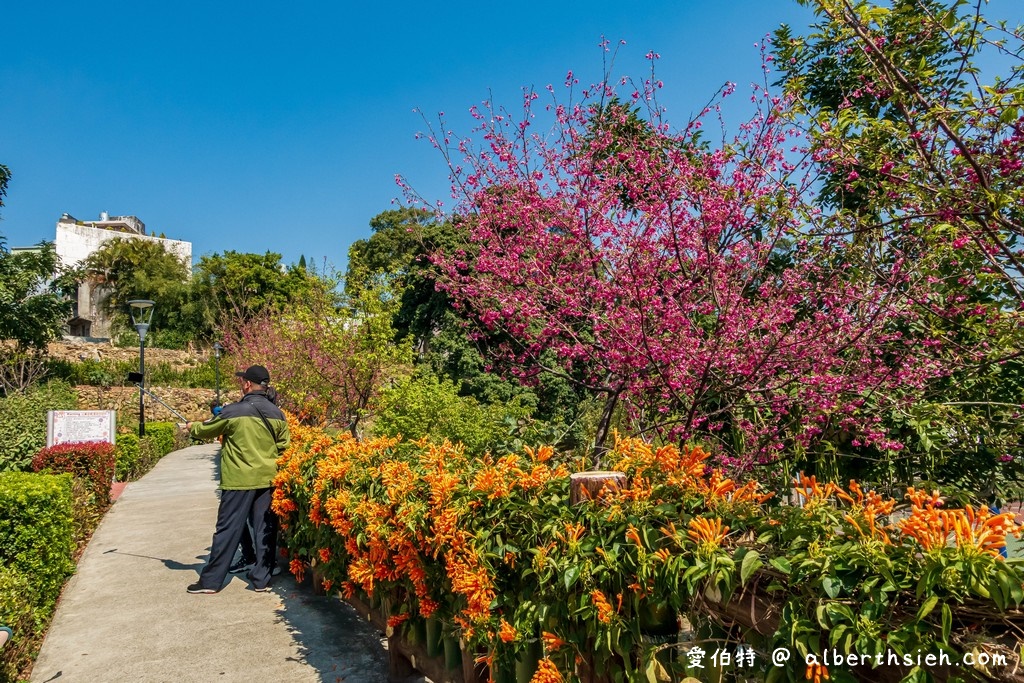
<point>65,426</point>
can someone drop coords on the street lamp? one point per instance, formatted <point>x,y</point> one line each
<point>142,315</point>
<point>217,349</point>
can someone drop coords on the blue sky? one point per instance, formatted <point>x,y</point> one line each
<point>280,127</point>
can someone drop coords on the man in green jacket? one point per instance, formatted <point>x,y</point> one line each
<point>255,434</point>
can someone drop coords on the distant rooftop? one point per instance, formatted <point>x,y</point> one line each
<point>116,223</point>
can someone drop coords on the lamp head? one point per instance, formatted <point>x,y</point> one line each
<point>217,349</point>
<point>142,314</point>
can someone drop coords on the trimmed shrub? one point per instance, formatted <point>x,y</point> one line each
<point>16,613</point>
<point>126,456</point>
<point>136,456</point>
<point>89,460</point>
<point>162,435</point>
<point>425,406</point>
<point>23,422</point>
<point>37,533</point>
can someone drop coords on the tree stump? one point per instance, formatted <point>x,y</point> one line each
<point>593,485</point>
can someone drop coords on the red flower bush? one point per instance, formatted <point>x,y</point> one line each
<point>89,460</point>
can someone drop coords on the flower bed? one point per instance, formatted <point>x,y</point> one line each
<point>535,586</point>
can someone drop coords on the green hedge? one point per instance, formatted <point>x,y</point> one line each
<point>93,461</point>
<point>16,613</point>
<point>23,422</point>
<point>136,456</point>
<point>37,533</point>
<point>108,372</point>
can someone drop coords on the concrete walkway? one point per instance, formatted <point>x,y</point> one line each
<point>125,615</point>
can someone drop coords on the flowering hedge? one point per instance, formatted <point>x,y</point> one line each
<point>494,549</point>
<point>89,460</point>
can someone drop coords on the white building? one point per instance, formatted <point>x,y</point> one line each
<point>76,240</point>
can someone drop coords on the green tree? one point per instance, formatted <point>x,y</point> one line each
<point>144,269</point>
<point>233,288</point>
<point>920,150</point>
<point>33,306</point>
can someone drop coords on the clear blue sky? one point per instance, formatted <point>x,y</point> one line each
<point>280,127</point>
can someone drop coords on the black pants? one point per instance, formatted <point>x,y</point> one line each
<point>236,509</point>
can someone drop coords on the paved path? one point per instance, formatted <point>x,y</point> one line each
<point>125,615</point>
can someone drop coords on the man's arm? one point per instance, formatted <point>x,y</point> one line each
<point>210,429</point>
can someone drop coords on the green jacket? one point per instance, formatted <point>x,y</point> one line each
<point>249,452</point>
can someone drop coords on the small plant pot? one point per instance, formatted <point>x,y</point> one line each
<point>416,631</point>
<point>433,632</point>
<point>527,662</point>
<point>452,653</point>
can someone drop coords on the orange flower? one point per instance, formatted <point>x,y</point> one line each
<point>551,641</point>
<point>397,620</point>
<point>632,534</point>
<point>325,555</point>
<point>428,607</point>
<point>298,569</point>
<point>506,632</point>
<point>604,608</point>
<point>707,533</point>
<point>546,672</point>
<point>816,673</point>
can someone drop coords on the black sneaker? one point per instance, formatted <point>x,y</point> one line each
<point>199,588</point>
<point>239,567</point>
<point>277,570</point>
<point>265,589</point>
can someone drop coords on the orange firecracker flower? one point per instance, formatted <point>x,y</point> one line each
<point>816,673</point>
<point>551,641</point>
<point>604,608</point>
<point>632,534</point>
<point>298,569</point>
<point>707,533</point>
<point>506,632</point>
<point>397,620</point>
<point>547,672</point>
<point>811,491</point>
<point>325,555</point>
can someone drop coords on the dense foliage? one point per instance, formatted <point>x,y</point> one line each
<point>493,549</point>
<point>329,358</point>
<point>23,421</point>
<point>36,533</point>
<point>33,307</point>
<point>92,461</point>
<point>912,110</point>
<point>136,456</point>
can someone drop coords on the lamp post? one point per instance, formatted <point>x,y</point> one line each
<point>142,315</point>
<point>217,350</point>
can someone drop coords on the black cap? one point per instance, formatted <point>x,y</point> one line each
<point>257,374</point>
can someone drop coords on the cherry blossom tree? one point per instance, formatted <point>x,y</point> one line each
<point>328,361</point>
<point>680,281</point>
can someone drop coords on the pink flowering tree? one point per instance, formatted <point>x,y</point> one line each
<point>677,280</point>
<point>327,360</point>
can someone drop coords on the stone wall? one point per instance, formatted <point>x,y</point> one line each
<point>193,404</point>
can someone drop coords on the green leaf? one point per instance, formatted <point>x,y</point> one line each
<point>570,576</point>
<point>782,564</point>
<point>750,564</point>
<point>927,606</point>
<point>947,622</point>
<point>832,586</point>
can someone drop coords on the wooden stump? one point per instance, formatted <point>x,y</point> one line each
<point>592,485</point>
